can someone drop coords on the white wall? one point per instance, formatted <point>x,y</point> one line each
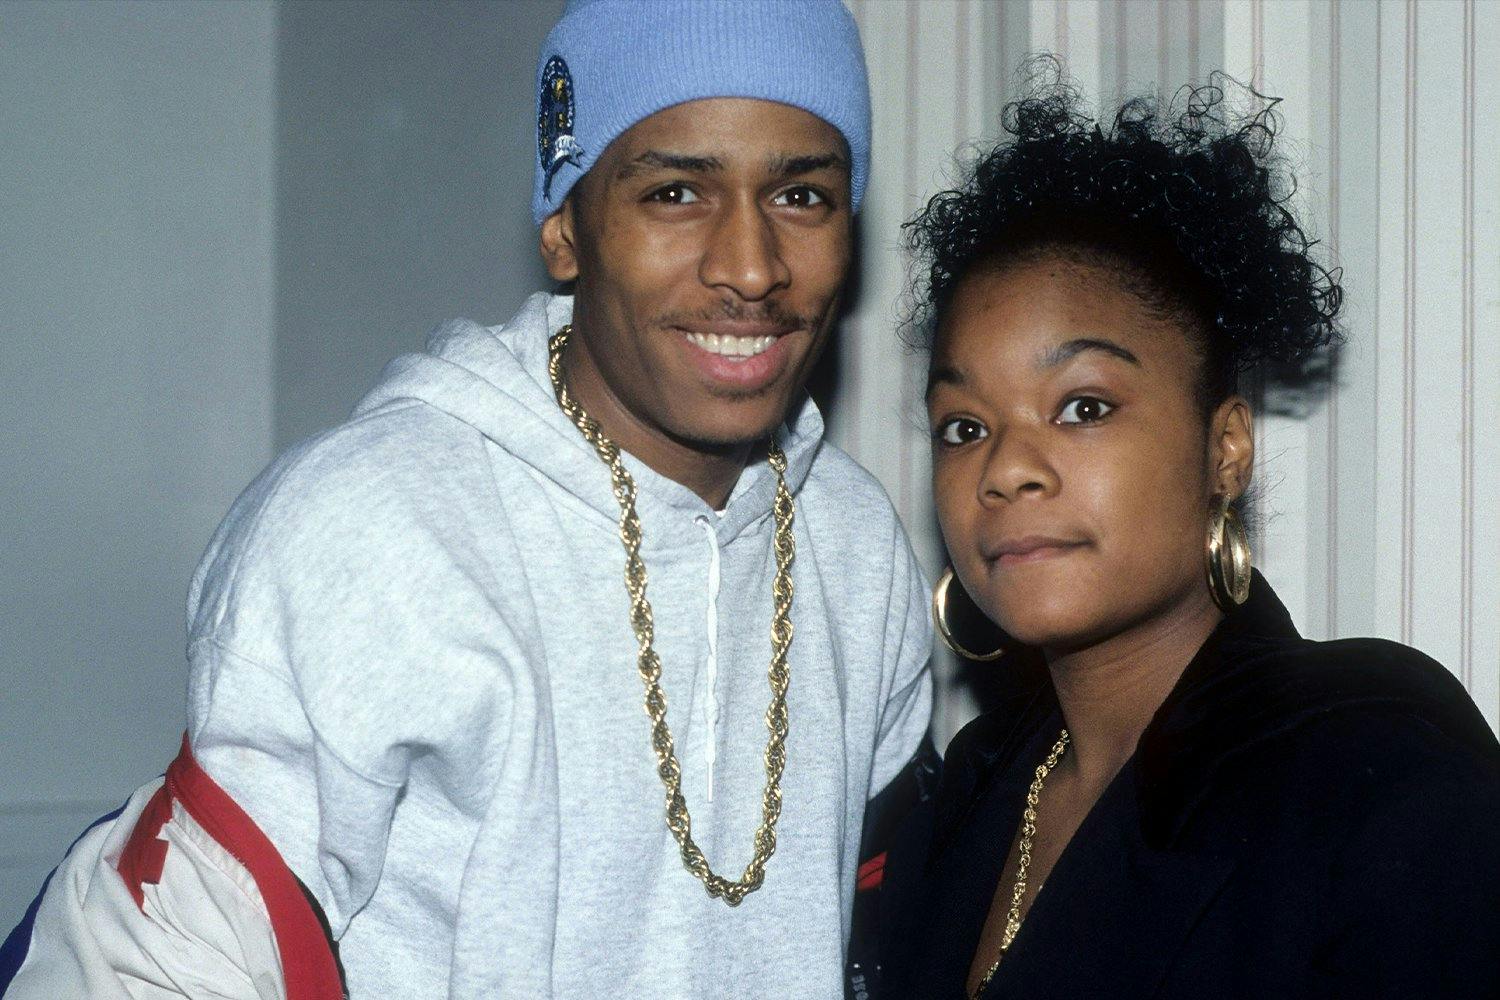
<point>405,144</point>
<point>135,390</point>
<point>1382,512</point>
<point>219,220</point>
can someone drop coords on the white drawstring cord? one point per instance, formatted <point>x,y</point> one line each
<point>712,751</point>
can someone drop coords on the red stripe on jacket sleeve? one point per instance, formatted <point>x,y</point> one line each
<point>307,961</point>
<point>143,857</point>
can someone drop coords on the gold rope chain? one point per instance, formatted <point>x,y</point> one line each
<point>1023,864</point>
<point>649,664</point>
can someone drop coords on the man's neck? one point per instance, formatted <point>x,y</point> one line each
<point>1109,692</point>
<point>710,473</point>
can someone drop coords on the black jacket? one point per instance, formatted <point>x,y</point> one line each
<point>1300,819</point>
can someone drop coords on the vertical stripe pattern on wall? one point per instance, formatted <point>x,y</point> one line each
<point>1482,259</point>
<point>1381,505</point>
<point>1466,437</point>
<point>1408,316</point>
<point>1332,96</point>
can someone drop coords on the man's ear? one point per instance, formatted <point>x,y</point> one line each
<point>1232,447</point>
<point>559,251</point>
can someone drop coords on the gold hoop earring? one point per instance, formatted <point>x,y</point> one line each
<point>940,619</point>
<point>1228,557</point>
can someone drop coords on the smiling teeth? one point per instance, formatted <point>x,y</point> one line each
<point>731,347</point>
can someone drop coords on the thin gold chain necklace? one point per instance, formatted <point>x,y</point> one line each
<point>649,664</point>
<point>1023,864</point>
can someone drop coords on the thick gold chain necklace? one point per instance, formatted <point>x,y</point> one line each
<point>649,664</point>
<point>1023,864</point>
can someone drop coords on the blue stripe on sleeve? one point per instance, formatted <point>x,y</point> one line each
<point>13,952</point>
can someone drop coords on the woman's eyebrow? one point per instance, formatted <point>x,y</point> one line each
<point>1070,349</point>
<point>944,374</point>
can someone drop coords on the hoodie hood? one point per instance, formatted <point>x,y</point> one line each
<point>495,380</point>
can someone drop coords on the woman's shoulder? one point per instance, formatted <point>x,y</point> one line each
<point>1262,689</point>
<point>1332,725</point>
<point>1375,689</point>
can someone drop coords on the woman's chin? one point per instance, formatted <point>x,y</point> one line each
<point>1060,632</point>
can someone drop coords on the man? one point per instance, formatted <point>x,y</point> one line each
<point>568,664</point>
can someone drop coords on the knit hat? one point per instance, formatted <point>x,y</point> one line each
<point>609,63</point>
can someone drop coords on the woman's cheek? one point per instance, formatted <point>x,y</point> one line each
<point>952,500</point>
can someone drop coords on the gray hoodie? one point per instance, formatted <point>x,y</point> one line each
<point>413,666</point>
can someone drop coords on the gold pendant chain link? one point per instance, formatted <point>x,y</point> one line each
<point>1023,863</point>
<point>649,664</point>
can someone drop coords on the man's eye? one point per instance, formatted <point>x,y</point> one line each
<point>960,431</point>
<point>1084,410</point>
<point>799,197</point>
<point>673,194</point>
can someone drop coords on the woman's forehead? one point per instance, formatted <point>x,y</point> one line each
<point>1029,320</point>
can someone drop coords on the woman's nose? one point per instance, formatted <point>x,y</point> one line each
<point>1016,467</point>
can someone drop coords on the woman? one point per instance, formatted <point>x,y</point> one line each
<point>1179,797</point>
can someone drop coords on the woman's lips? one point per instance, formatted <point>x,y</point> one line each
<point>1030,549</point>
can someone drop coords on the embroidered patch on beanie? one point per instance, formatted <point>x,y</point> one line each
<point>554,121</point>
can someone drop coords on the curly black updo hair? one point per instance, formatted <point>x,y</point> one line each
<point>1183,202</point>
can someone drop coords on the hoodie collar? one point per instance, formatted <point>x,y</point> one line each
<point>495,379</point>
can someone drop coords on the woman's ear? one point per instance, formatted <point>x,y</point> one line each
<point>559,249</point>
<point>1232,447</point>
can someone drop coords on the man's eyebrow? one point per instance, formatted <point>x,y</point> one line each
<point>789,165</point>
<point>1070,349</point>
<point>655,159</point>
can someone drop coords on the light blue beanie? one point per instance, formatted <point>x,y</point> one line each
<point>609,63</point>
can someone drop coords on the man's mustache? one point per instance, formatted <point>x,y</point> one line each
<point>768,314</point>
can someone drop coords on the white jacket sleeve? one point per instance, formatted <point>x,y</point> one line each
<point>156,903</point>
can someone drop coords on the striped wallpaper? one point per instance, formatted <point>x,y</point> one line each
<point>1381,510</point>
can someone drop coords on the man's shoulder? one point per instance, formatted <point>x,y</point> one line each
<point>371,492</point>
<point>402,453</point>
<point>837,481</point>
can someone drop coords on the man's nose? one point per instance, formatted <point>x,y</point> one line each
<point>743,254</point>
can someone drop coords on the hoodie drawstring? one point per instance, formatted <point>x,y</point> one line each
<point>712,750</point>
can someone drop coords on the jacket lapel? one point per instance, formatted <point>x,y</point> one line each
<point>986,751</point>
<point>1114,910</point>
<point>976,814</point>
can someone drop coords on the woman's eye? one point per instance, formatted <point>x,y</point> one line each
<point>673,194</point>
<point>799,197</point>
<point>960,430</point>
<point>1084,410</point>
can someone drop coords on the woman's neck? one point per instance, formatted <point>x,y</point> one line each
<point>1109,691</point>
